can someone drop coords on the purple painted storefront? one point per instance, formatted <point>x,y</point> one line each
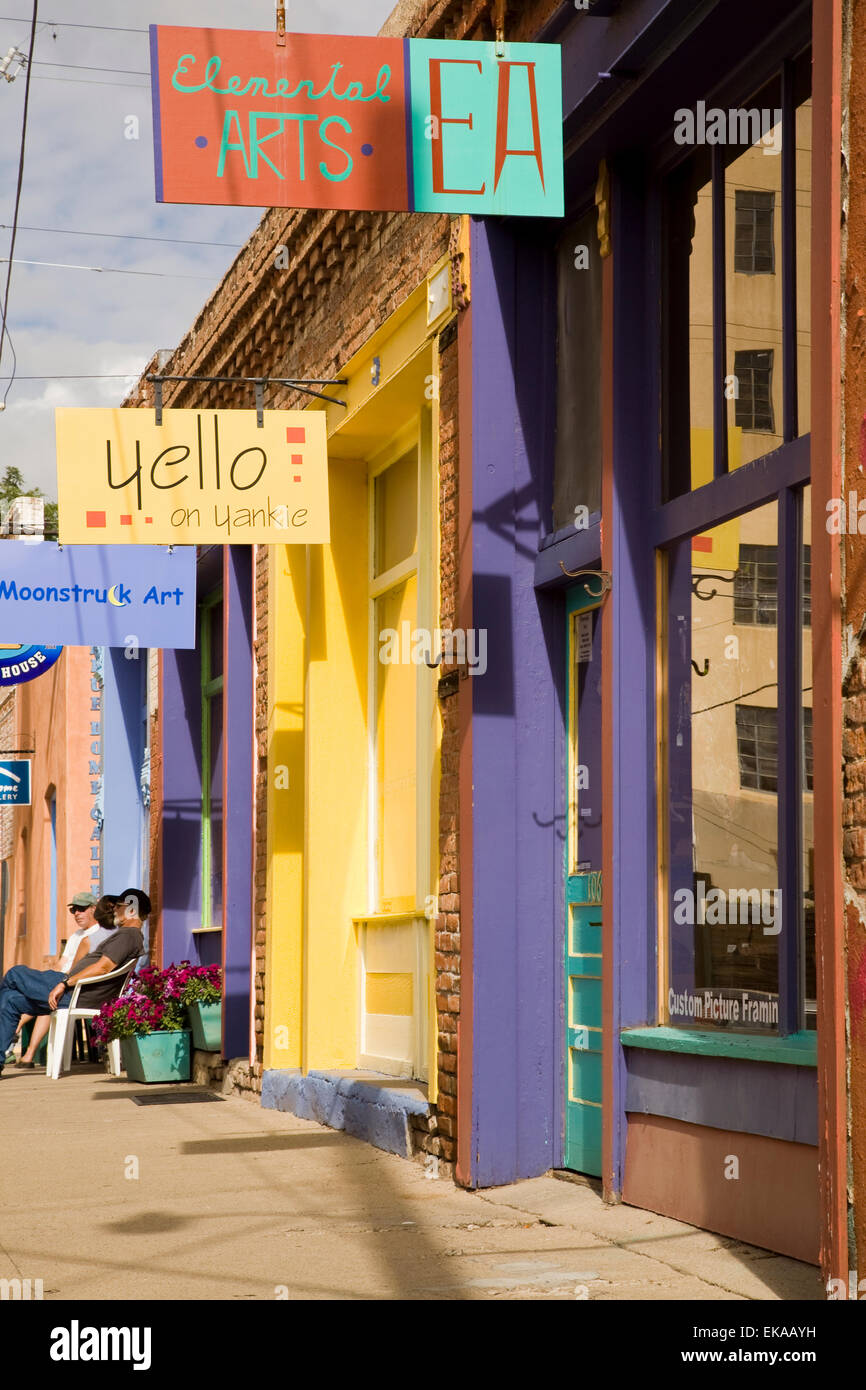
<point>207,817</point>
<point>668,1096</point>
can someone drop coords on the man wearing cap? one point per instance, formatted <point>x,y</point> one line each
<point>40,992</point>
<point>90,929</point>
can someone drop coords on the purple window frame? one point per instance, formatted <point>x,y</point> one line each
<point>778,476</point>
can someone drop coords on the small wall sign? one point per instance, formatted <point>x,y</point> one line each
<point>19,663</point>
<point>14,781</point>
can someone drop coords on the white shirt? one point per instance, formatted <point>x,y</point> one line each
<point>93,934</point>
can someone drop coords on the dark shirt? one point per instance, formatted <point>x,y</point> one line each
<point>125,944</point>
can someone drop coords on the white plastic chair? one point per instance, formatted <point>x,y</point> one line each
<point>62,1031</point>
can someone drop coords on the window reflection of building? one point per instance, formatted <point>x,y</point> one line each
<point>748,395</point>
<point>735,832</point>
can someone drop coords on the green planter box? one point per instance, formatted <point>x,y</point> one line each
<point>156,1056</point>
<point>206,1021</point>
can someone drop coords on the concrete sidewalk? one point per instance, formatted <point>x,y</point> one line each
<point>231,1201</point>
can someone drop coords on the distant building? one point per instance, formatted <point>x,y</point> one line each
<point>24,516</point>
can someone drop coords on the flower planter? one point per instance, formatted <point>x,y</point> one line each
<point>157,1056</point>
<point>206,1023</point>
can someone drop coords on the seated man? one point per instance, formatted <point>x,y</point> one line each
<point>94,922</point>
<point>27,991</point>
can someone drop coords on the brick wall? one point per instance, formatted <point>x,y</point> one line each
<point>447,957</point>
<point>848,554</point>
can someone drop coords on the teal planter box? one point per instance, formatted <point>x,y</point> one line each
<point>156,1056</point>
<point>206,1021</point>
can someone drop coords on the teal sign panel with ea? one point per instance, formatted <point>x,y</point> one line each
<point>97,595</point>
<point>486,129</point>
<point>14,782</point>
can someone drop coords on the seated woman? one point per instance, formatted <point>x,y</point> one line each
<point>94,922</point>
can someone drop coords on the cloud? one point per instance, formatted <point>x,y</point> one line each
<point>83,173</point>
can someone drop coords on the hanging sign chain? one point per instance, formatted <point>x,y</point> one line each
<point>499,10</point>
<point>281,23</point>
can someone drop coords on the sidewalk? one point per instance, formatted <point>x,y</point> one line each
<point>232,1201</point>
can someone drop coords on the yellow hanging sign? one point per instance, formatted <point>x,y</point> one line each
<point>199,477</point>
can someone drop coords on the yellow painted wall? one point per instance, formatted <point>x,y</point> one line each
<point>319,653</point>
<point>287,581</point>
<point>336,788</point>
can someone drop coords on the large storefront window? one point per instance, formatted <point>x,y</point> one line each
<point>740,914</point>
<point>735,715</point>
<point>737,266</point>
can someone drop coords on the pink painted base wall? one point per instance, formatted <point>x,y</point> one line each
<point>678,1170</point>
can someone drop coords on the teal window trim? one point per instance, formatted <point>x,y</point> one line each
<point>210,687</point>
<point>797,1049</point>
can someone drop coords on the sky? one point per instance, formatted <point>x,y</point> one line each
<point>83,174</point>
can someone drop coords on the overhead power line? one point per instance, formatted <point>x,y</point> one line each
<point>123,236</point>
<point>89,82</point>
<point>63,24</point>
<point>78,67</point>
<point>18,188</point>
<point>110,270</point>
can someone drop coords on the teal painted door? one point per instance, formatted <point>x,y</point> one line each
<point>583,884</point>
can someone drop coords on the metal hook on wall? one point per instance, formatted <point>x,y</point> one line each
<point>602,575</point>
<point>706,670</point>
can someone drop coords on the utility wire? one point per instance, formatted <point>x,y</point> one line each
<point>18,188</point>
<point>78,67</point>
<point>110,270</point>
<point>127,236</point>
<point>11,378</point>
<point>62,24</point>
<point>89,82</point>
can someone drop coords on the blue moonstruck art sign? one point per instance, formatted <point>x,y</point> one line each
<point>97,595</point>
